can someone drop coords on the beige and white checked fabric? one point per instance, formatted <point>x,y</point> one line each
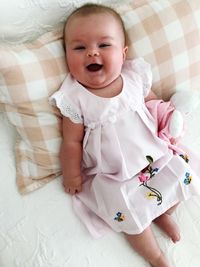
<point>29,74</point>
<point>167,35</point>
<point>165,32</point>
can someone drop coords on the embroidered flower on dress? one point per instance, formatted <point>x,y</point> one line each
<point>119,217</point>
<point>188,178</point>
<point>151,195</point>
<point>145,175</point>
<point>185,157</point>
<point>143,178</point>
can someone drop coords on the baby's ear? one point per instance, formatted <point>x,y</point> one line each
<point>186,101</point>
<point>125,51</point>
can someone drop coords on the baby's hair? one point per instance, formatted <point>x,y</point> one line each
<point>89,9</point>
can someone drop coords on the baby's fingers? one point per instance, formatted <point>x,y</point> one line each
<point>78,189</point>
<point>73,190</point>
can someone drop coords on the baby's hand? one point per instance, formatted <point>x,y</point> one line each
<point>73,185</point>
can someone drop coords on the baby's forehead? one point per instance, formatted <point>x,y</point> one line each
<point>77,20</point>
<point>80,17</point>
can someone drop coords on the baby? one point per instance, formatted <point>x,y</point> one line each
<point>121,174</point>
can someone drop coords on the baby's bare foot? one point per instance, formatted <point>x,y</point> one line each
<point>168,225</point>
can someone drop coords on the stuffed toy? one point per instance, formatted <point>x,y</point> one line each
<point>169,115</point>
<point>184,102</point>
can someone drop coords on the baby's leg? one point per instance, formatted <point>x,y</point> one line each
<point>146,245</point>
<point>168,225</point>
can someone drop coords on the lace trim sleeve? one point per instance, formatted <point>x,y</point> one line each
<point>66,109</point>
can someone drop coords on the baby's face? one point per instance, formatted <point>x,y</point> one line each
<point>95,49</point>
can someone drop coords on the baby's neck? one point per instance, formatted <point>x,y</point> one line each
<point>111,90</point>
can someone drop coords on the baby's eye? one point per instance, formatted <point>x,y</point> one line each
<point>80,47</point>
<point>104,45</point>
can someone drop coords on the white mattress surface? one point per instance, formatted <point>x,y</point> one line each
<point>41,229</point>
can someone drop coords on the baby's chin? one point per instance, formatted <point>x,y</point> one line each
<point>98,84</point>
<point>94,86</point>
<point>91,87</point>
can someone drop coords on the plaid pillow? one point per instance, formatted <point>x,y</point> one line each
<point>29,74</point>
<point>167,35</point>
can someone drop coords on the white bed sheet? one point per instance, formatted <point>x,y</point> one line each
<point>41,229</point>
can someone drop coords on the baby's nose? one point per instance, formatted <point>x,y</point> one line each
<point>93,53</point>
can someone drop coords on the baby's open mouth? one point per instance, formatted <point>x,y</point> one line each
<point>94,67</point>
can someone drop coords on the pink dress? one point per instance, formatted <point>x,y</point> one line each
<point>131,176</point>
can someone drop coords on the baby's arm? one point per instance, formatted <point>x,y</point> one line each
<point>71,155</point>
